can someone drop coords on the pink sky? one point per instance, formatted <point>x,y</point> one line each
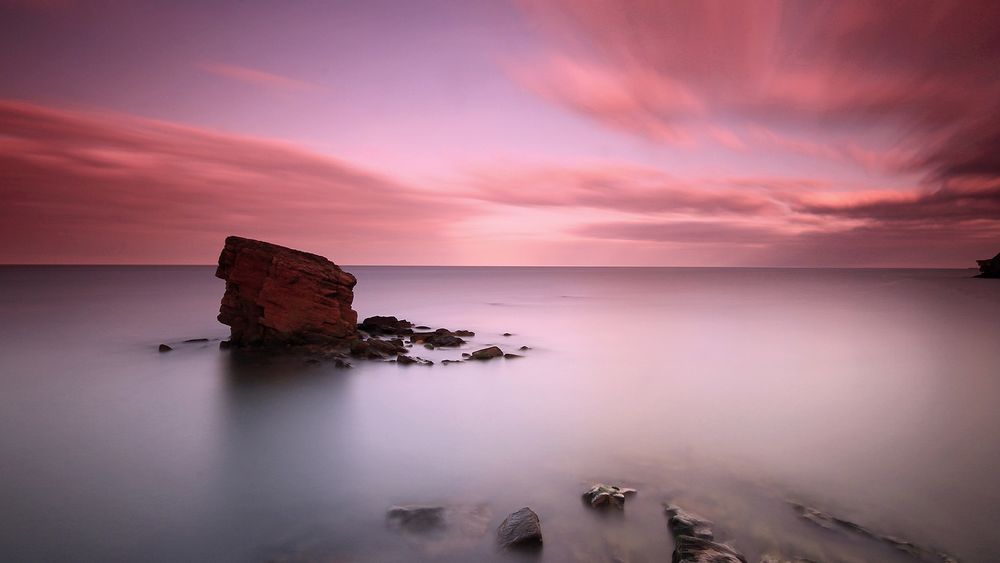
<point>694,133</point>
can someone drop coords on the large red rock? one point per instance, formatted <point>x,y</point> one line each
<point>277,295</point>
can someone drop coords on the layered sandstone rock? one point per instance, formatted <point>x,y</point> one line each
<point>276,295</point>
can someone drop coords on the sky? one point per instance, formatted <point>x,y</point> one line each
<point>565,132</point>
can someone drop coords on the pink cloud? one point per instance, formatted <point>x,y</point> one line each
<point>778,217</point>
<point>621,188</point>
<point>636,101</point>
<point>114,188</point>
<point>258,77</point>
<point>881,68</point>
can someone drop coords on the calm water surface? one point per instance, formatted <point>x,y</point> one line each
<point>871,394</point>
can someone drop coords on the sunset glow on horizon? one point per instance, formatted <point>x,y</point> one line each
<point>840,134</point>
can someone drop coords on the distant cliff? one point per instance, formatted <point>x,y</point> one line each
<point>989,268</point>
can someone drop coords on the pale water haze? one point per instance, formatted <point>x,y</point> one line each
<point>869,394</point>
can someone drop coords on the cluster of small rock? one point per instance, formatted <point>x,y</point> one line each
<point>694,537</point>
<point>389,338</point>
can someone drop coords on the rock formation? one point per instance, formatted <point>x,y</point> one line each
<point>694,540</point>
<point>276,296</point>
<point>520,529</point>
<point>989,268</point>
<point>683,523</point>
<point>487,353</point>
<point>379,325</point>
<point>837,524</point>
<point>602,495</point>
<point>417,518</point>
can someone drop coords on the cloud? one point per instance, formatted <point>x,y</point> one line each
<point>688,232</point>
<point>640,102</point>
<point>923,78</point>
<point>624,188</point>
<point>108,187</point>
<point>258,78</point>
<point>784,221</point>
<point>956,202</point>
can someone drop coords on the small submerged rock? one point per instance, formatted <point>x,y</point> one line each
<point>601,496</point>
<point>684,523</point>
<point>689,549</point>
<point>194,340</point>
<point>524,348</point>
<point>487,353</point>
<point>387,325</point>
<point>164,348</point>
<point>376,348</point>
<point>507,334</point>
<point>520,529</point>
<point>512,356</point>
<point>694,540</point>
<point>440,338</point>
<point>417,518</point>
<point>772,558</point>
<point>834,523</point>
<point>408,360</point>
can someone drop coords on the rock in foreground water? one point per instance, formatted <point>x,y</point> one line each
<point>417,518</point>
<point>693,540</point>
<point>689,549</point>
<point>683,523</point>
<point>277,295</point>
<point>386,325</point>
<point>487,353</point>
<point>520,529</point>
<point>602,495</point>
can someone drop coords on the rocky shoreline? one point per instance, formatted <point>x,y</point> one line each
<point>694,537</point>
<point>284,301</point>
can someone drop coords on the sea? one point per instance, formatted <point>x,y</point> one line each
<point>738,394</point>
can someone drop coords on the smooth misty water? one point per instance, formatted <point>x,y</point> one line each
<point>869,394</point>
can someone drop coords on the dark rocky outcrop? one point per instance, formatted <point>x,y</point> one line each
<point>440,338</point>
<point>386,325</point>
<point>377,349</point>
<point>164,348</point>
<point>603,496</point>
<point>694,540</point>
<point>280,296</point>
<point>684,523</point>
<point>689,549</point>
<point>838,524</point>
<point>520,529</point>
<point>772,558</point>
<point>409,360</point>
<point>989,268</point>
<point>487,353</point>
<point>417,518</point>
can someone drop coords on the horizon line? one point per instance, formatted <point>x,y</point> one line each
<point>162,265</point>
